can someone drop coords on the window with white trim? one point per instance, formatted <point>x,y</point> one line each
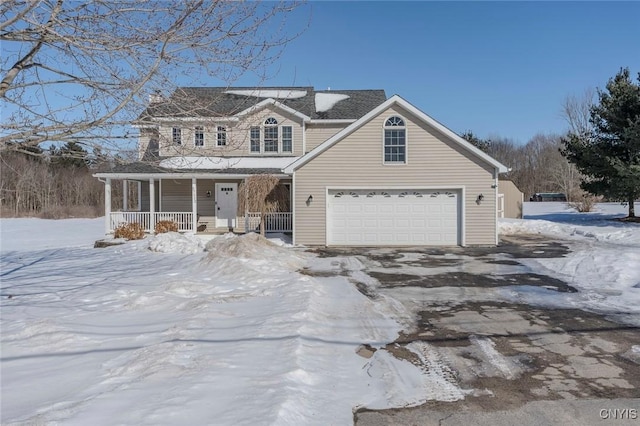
<point>198,136</point>
<point>222,136</point>
<point>255,139</point>
<point>177,135</point>
<point>287,139</point>
<point>270,135</point>
<point>271,138</point>
<point>395,141</point>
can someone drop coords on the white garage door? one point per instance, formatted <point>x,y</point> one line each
<point>393,217</point>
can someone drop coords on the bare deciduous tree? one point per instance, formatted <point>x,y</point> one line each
<point>576,111</point>
<point>81,70</point>
<point>536,166</point>
<point>261,193</point>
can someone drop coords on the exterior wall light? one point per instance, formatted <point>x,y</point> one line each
<point>479,199</point>
<point>208,194</point>
<point>309,200</point>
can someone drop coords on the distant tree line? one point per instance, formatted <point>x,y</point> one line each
<point>598,156</point>
<point>536,166</point>
<point>53,183</point>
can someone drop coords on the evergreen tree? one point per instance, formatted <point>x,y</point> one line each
<point>482,144</point>
<point>70,155</point>
<point>609,154</point>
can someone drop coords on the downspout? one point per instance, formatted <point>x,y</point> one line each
<point>293,208</point>
<point>304,137</point>
<point>495,185</point>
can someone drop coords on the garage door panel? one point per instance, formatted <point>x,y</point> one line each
<point>370,222</point>
<point>385,208</point>
<point>369,208</point>
<point>385,223</point>
<point>403,209</point>
<point>419,222</point>
<point>393,217</point>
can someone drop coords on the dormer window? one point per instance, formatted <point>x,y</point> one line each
<point>395,141</point>
<point>271,138</point>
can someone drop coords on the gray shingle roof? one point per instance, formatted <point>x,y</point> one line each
<point>216,102</point>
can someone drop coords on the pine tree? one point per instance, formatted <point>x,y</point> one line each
<point>70,155</point>
<point>609,154</point>
<point>482,144</point>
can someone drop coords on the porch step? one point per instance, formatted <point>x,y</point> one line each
<point>218,231</point>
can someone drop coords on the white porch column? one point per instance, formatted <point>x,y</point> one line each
<point>107,206</point>
<point>194,203</point>
<point>125,195</point>
<point>152,204</point>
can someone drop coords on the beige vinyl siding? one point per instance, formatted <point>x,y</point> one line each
<point>513,199</point>
<point>316,133</point>
<point>432,161</point>
<point>144,196</point>
<point>176,195</point>
<point>206,206</point>
<point>237,135</point>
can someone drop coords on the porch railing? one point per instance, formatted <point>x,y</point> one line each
<point>148,220</point>
<point>274,222</point>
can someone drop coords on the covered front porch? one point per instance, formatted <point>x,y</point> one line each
<point>203,204</point>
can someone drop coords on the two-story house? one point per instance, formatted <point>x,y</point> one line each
<point>360,169</point>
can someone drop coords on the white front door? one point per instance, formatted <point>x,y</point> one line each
<point>226,204</point>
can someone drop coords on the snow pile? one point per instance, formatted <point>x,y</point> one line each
<point>560,220</point>
<point>254,250</point>
<point>270,93</point>
<point>326,101</point>
<point>604,257</point>
<point>175,242</point>
<point>410,385</point>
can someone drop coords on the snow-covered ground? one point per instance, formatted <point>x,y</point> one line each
<point>604,262</point>
<point>160,331</point>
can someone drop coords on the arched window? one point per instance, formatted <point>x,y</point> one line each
<point>270,135</point>
<point>395,141</point>
<point>271,138</point>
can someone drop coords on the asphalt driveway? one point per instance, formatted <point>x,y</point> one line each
<point>521,362</point>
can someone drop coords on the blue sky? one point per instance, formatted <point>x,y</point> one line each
<point>496,68</point>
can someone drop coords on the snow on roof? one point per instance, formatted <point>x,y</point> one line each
<point>270,93</point>
<point>326,101</point>
<point>220,163</point>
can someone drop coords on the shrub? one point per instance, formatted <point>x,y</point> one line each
<point>166,226</point>
<point>586,203</point>
<point>129,231</point>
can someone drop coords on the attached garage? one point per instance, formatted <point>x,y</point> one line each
<point>395,177</point>
<point>396,217</point>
